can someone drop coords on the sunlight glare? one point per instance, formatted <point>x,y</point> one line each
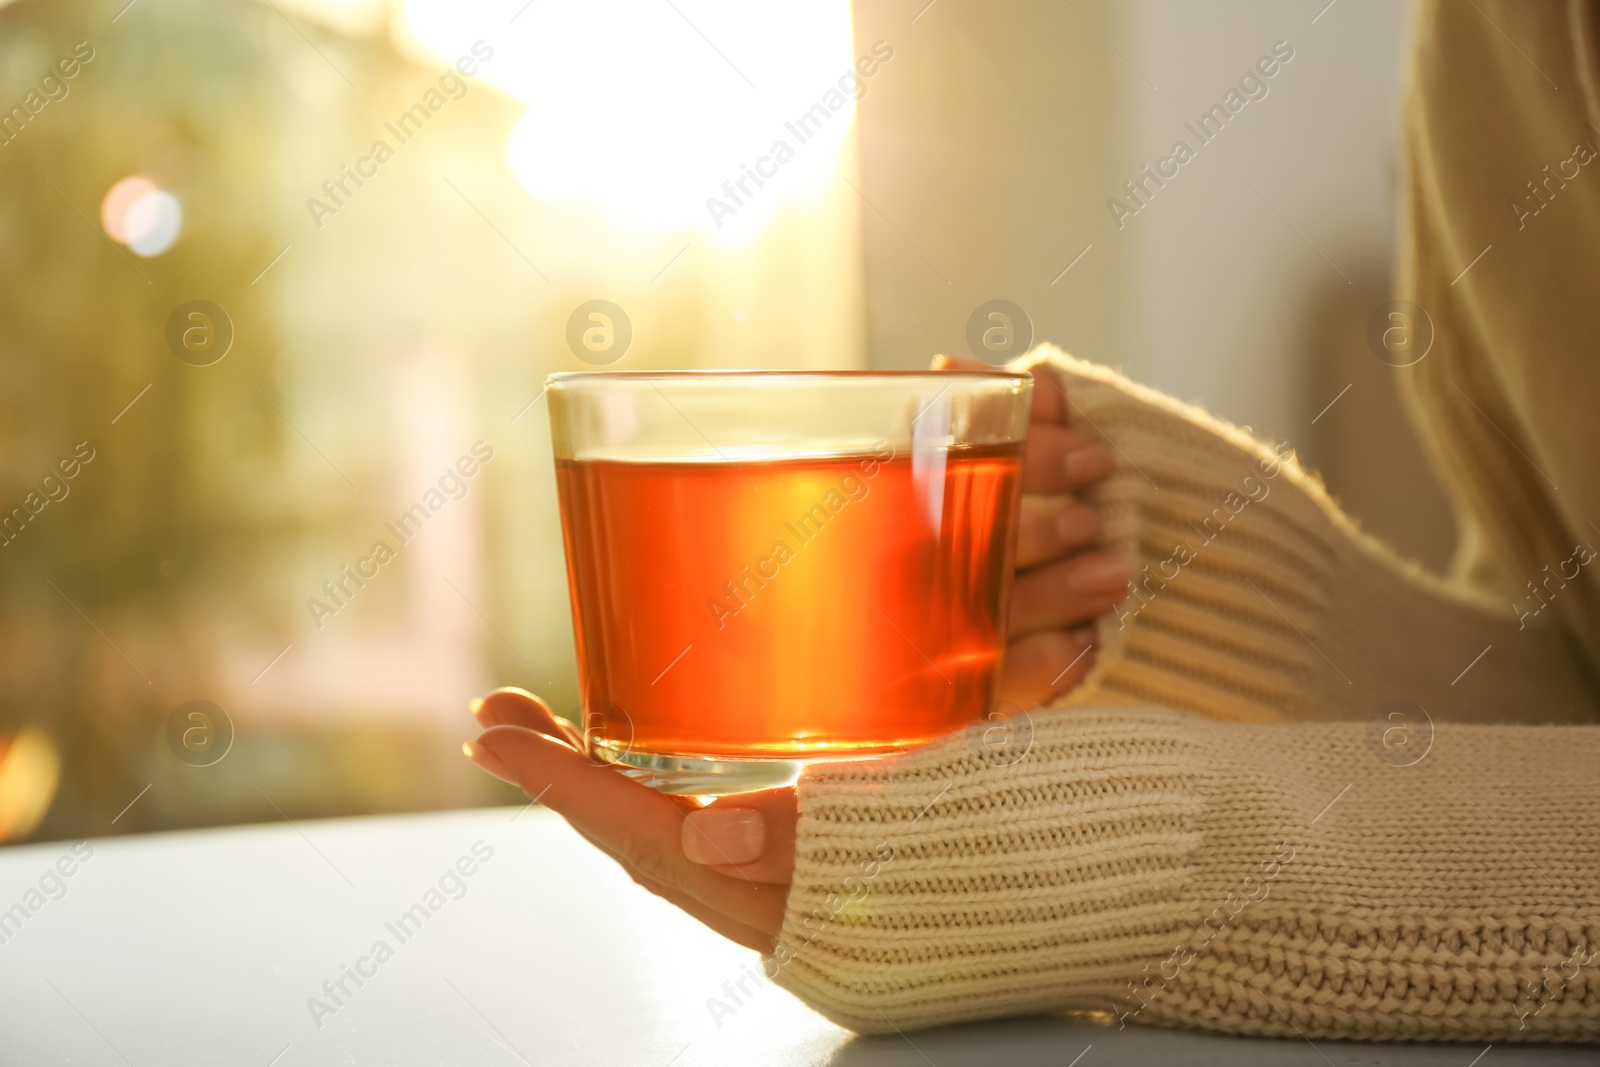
<point>646,113</point>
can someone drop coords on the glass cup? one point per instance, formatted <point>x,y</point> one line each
<point>774,567</point>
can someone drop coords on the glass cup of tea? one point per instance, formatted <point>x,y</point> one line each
<point>768,568</point>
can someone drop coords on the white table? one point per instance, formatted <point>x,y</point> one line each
<point>203,948</point>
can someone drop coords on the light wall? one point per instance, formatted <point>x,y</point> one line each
<point>1294,199</point>
<point>1242,283</point>
<point>986,153</point>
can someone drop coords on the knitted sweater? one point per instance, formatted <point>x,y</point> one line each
<point>1308,789</point>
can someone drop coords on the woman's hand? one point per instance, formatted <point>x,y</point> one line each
<point>729,864</point>
<point>1063,582</point>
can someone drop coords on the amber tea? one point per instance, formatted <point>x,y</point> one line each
<point>758,603</point>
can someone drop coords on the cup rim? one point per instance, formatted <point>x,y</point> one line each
<point>647,375</point>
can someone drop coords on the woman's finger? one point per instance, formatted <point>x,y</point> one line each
<point>1050,527</point>
<point>641,828</point>
<point>1073,591</point>
<point>1058,459</point>
<point>746,836</point>
<point>959,363</point>
<point>1041,665</point>
<point>1062,460</point>
<point>518,707</point>
<point>1049,401</point>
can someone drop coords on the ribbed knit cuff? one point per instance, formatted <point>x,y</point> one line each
<point>1255,599</point>
<point>966,881</point>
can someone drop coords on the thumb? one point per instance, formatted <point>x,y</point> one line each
<point>748,835</point>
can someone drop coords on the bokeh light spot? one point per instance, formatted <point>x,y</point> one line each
<point>120,197</point>
<point>153,223</point>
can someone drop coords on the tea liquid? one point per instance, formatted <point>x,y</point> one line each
<point>844,605</point>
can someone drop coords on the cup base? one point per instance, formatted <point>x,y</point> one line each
<point>709,776</point>
<point>702,777</point>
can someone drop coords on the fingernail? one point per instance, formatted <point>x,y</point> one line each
<point>1099,575</point>
<point>474,706</point>
<point>480,754</point>
<point>724,835</point>
<point>1087,464</point>
<point>1077,525</point>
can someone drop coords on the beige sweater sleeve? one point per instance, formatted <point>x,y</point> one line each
<point>1162,868</point>
<point>1409,874</point>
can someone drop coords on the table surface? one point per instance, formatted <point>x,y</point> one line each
<point>206,947</point>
